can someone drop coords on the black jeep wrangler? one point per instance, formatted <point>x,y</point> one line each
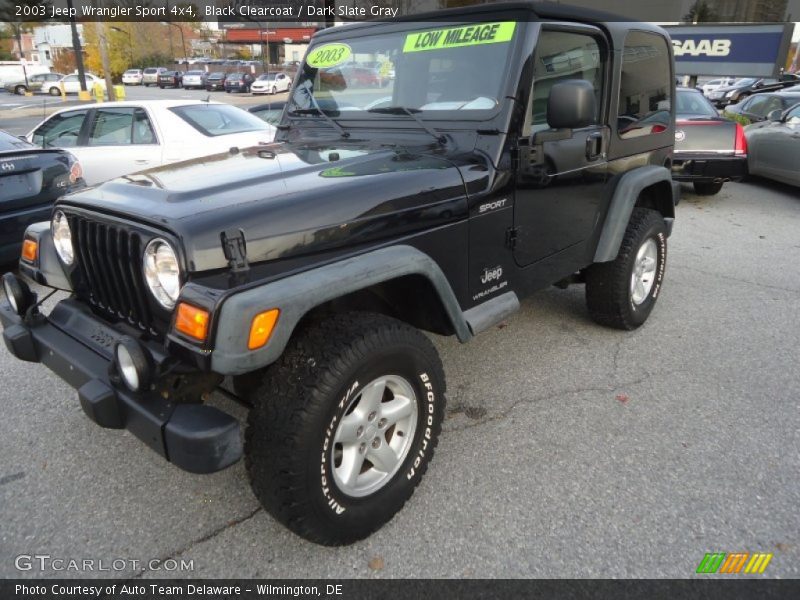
<point>507,148</point>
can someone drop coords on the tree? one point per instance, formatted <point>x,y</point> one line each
<point>700,12</point>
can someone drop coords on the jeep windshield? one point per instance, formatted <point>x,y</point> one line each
<point>436,70</point>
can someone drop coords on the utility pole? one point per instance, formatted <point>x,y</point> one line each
<point>18,34</point>
<point>103,42</point>
<point>76,47</point>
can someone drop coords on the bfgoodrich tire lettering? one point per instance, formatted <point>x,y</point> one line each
<point>609,295</point>
<point>291,443</point>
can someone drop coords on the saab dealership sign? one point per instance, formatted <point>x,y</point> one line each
<point>732,50</point>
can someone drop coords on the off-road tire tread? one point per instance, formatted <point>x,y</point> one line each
<point>607,283</point>
<point>291,396</point>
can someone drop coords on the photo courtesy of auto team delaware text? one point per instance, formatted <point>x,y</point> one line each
<point>314,289</point>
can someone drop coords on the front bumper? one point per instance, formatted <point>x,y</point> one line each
<point>78,347</point>
<point>708,167</point>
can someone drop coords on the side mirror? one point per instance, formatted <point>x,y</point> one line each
<point>775,115</point>
<point>571,105</point>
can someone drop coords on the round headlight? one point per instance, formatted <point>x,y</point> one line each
<point>62,237</point>
<point>162,272</point>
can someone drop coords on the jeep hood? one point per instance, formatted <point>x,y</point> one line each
<point>289,199</point>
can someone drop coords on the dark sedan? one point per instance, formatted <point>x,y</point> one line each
<point>747,86</point>
<point>709,149</point>
<point>238,82</point>
<point>758,108</point>
<point>30,180</point>
<point>215,81</point>
<point>775,146</point>
<point>170,79</point>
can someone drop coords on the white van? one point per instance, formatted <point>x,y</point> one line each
<point>11,72</point>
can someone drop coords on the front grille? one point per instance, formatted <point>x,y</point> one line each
<point>109,258</point>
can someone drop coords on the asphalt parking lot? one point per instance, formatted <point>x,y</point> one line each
<point>569,450</point>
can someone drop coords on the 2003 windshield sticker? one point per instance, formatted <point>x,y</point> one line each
<point>455,37</point>
<point>328,55</point>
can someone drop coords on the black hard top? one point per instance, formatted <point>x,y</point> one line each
<point>539,11</point>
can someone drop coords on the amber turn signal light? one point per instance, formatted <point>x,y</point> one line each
<point>192,321</point>
<point>261,328</point>
<point>30,249</point>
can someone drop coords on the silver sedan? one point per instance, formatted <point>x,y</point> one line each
<point>773,146</point>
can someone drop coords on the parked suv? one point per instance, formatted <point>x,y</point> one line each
<point>306,269</point>
<point>150,75</point>
<point>170,79</point>
<point>238,82</point>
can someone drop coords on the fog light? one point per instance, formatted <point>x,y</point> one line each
<point>132,364</point>
<point>18,293</point>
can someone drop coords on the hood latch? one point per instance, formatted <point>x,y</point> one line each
<point>235,249</point>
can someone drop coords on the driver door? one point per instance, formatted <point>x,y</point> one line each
<point>560,180</point>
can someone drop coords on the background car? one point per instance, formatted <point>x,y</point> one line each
<point>757,108</point>
<point>715,84</point>
<point>35,83</point>
<point>747,86</point>
<point>31,179</point>
<point>709,149</point>
<point>357,77</point>
<point>215,81</point>
<point>270,112</point>
<point>194,79</point>
<point>150,75</point>
<point>170,79</point>
<point>774,146</point>
<point>132,77</point>
<point>117,138</point>
<point>271,83</point>
<point>72,84</point>
<point>238,82</point>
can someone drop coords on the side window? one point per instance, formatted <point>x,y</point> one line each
<point>142,128</point>
<point>563,55</point>
<point>61,130</point>
<point>644,95</point>
<point>793,116</point>
<point>758,106</point>
<point>70,78</point>
<point>111,127</point>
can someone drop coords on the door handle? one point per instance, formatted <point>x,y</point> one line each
<point>594,145</point>
<point>142,161</point>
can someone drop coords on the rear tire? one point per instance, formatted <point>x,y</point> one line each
<point>706,188</point>
<point>359,393</point>
<point>623,292</point>
<point>20,90</point>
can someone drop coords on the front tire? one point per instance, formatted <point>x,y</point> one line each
<point>20,90</point>
<point>623,292</point>
<point>274,90</point>
<point>55,91</point>
<point>707,188</point>
<point>344,425</point>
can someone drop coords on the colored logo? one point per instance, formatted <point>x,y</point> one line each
<point>734,563</point>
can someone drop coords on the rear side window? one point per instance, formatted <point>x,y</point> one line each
<point>644,94</point>
<point>219,119</point>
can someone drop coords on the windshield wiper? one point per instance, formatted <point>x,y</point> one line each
<point>318,111</point>
<point>411,112</point>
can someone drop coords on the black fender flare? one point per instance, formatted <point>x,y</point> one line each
<point>624,196</point>
<point>294,296</point>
